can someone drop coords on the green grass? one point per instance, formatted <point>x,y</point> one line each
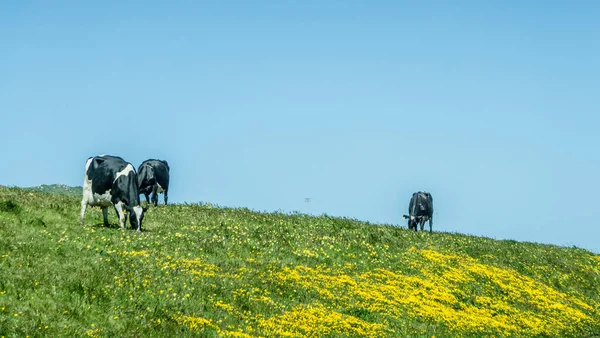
<point>57,189</point>
<point>201,270</point>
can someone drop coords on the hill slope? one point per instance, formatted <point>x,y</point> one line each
<point>203,270</point>
<point>57,189</point>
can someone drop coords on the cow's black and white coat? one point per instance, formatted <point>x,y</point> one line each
<point>420,209</point>
<point>111,181</point>
<point>153,178</point>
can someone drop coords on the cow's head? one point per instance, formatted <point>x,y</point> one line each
<point>136,216</point>
<point>412,221</point>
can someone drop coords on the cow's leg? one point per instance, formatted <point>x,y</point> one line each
<point>83,206</point>
<point>431,224</point>
<point>121,214</point>
<point>147,197</point>
<point>105,214</point>
<point>155,195</point>
<point>166,197</point>
<point>422,223</point>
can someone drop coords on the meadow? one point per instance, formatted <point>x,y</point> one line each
<point>209,271</point>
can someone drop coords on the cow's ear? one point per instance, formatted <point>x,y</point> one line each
<point>144,209</point>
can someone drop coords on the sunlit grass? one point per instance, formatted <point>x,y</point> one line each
<point>200,270</point>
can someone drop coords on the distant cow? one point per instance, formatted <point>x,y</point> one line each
<point>153,177</point>
<point>109,180</point>
<point>420,210</point>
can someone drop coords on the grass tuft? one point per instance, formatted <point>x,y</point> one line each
<point>10,206</point>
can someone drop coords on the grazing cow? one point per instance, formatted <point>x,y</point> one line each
<point>420,210</point>
<point>153,177</point>
<point>109,180</point>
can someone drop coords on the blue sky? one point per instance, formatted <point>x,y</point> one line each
<point>493,107</point>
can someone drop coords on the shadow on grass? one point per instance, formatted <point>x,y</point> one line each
<point>116,227</point>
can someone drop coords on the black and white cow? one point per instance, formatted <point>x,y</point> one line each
<point>420,209</point>
<point>110,180</point>
<point>153,177</point>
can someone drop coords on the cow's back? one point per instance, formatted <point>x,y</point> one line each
<point>429,201</point>
<point>421,204</point>
<point>160,173</point>
<point>102,171</point>
<point>100,174</point>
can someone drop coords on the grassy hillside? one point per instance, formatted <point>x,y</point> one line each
<point>57,189</point>
<point>199,270</point>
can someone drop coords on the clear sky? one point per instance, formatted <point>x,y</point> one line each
<point>491,106</point>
